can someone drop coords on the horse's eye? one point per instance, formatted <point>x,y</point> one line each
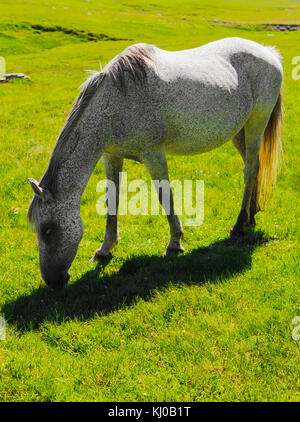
<point>46,231</point>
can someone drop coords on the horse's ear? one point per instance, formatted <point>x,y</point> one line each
<point>44,194</point>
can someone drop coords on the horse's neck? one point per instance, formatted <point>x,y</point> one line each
<point>74,172</point>
<point>79,158</point>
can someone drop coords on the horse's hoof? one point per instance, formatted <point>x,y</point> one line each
<point>100,257</point>
<point>236,233</point>
<point>173,251</point>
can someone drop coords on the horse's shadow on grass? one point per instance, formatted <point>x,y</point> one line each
<point>138,277</point>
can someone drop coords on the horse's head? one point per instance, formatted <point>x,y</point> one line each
<point>59,230</point>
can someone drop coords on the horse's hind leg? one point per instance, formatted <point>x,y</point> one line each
<point>113,167</point>
<point>239,142</point>
<point>253,134</point>
<point>156,163</point>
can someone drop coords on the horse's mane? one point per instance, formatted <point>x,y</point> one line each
<point>133,61</point>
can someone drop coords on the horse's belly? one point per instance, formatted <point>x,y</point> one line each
<point>191,135</point>
<point>193,131</point>
<point>190,146</point>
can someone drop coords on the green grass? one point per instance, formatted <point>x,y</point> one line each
<point>212,324</point>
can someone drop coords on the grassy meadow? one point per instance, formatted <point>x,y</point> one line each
<point>213,324</point>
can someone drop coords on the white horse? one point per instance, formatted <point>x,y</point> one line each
<point>148,102</point>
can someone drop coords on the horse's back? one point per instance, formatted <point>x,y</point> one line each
<point>203,61</point>
<point>209,92</point>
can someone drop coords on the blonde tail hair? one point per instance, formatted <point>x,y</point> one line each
<point>270,154</point>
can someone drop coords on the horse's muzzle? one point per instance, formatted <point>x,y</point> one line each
<point>57,282</point>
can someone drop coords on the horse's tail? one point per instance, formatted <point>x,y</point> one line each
<point>270,154</point>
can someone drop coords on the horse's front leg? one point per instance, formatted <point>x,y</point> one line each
<point>156,163</point>
<point>113,167</point>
